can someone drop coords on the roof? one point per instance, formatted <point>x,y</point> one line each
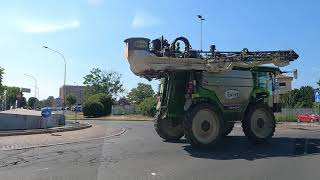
<point>262,68</point>
<point>281,76</point>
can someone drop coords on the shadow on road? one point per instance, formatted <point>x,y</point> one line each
<point>238,147</point>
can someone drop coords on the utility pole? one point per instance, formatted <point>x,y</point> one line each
<point>201,19</point>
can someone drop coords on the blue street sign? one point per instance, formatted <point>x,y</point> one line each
<point>46,112</point>
<point>317,95</point>
<point>77,109</point>
<point>58,100</point>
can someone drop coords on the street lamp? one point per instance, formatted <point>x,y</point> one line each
<point>201,19</point>
<point>35,87</point>
<point>65,73</point>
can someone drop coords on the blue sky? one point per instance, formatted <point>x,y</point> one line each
<point>90,34</point>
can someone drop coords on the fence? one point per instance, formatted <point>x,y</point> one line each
<point>295,111</point>
<point>121,110</point>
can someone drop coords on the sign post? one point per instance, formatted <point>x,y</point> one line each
<point>76,109</point>
<point>317,98</point>
<point>45,113</point>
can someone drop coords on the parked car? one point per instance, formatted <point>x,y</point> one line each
<point>305,117</point>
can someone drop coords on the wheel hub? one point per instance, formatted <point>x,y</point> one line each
<point>205,126</point>
<point>260,123</point>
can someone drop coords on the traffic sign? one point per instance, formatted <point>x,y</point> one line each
<point>26,90</point>
<point>58,100</point>
<point>317,95</point>
<point>77,108</point>
<point>46,112</point>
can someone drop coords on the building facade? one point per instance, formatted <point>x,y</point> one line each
<point>284,86</point>
<point>77,91</point>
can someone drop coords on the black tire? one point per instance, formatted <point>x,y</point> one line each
<point>259,123</point>
<point>168,130</point>
<point>228,127</point>
<point>203,125</point>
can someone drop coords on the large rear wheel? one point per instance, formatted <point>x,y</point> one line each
<point>259,123</point>
<point>168,129</point>
<point>203,125</point>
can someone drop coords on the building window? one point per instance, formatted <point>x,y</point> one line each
<point>282,84</point>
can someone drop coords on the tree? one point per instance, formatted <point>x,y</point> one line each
<point>97,105</point>
<point>49,101</point>
<point>1,77</point>
<point>32,101</point>
<point>140,93</point>
<point>99,81</point>
<point>298,98</point>
<point>70,99</point>
<point>123,101</point>
<point>11,96</point>
<point>23,102</point>
<point>148,106</point>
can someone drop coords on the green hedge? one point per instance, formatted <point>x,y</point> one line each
<point>148,106</point>
<point>92,108</point>
<point>103,99</point>
<point>286,118</point>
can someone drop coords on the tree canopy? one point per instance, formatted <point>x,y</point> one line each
<point>1,78</point>
<point>140,93</point>
<point>32,101</point>
<point>70,99</point>
<point>99,81</point>
<point>299,98</point>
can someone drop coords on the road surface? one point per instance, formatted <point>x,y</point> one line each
<point>140,154</point>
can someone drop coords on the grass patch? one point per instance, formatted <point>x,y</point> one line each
<point>113,118</point>
<point>286,118</point>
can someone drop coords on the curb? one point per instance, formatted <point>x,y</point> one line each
<point>299,125</point>
<point>43,131</point>
<point>151,120</point>
<point>123,130</point>
<point>290,125</point>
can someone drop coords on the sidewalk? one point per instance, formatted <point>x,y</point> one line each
<point>57,138</point>
<point>70,127</point>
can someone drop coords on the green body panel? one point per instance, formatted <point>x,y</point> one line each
<point>172,102</point>
<point>174,90</point>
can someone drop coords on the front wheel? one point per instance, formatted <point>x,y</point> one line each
<point>168,129</point>
<point>203,125</point>
<point>259,123</point>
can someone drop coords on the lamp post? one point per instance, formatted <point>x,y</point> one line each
<point>65,74</point>
<point>35,84</point>
<point>35,88</point>
<point>201,19</point>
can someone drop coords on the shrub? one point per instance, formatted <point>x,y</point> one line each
<point>92,108</point>
<point>148,106</point>
<point>105,100</point>
<point>286,118</point>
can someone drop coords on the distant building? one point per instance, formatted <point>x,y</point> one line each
<point>77,91</point>
<point>284,86</point>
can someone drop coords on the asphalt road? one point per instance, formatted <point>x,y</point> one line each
<point>140,154</point>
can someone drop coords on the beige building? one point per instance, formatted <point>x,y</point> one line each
<point>77,91</point>
<point>284,86</point>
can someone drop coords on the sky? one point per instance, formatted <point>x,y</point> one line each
<point>90,34</point>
